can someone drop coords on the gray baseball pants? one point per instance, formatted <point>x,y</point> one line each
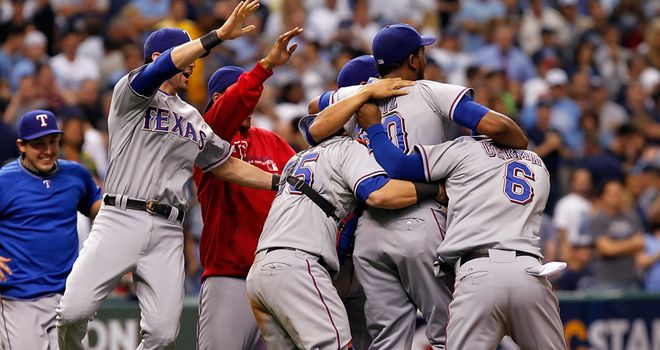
<point>28,324</point>
<point>494,297</point>
<point>225,316</point>
<point>394,264</point>
<point>121,241</point>
<point>295,303</point>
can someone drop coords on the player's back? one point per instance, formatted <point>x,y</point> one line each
<point>496,195</point>
<point>423,116</point>
<point>334,169</point>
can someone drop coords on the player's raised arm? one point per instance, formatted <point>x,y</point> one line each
<point>332,119</point>
<point>186,54</point>
<point>169,51</point>
<point>241,173</point>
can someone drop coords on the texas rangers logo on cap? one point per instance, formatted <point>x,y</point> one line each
<point>37,123</point>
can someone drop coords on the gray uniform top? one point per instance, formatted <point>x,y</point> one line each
<point>334,168</point>
<point>496,195</point>
<point>423,116</point>
<point>153,142</point>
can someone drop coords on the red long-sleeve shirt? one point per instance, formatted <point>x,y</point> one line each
<point>234,215</point>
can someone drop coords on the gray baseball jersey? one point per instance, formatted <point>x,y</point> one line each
<point>153,141</point>
<point>394,266</point>
<point>496,201</point>
<point>496,195</point>
<point>334,168</point>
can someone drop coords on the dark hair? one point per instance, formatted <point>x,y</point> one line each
<point>626,130</point>
<point>384,70</point>
<point>600,188</point>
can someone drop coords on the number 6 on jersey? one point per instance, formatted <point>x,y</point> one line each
<point>516,183</point>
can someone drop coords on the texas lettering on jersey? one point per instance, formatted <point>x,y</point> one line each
<point>158,120</point>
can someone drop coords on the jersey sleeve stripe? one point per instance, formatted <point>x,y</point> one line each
<point>137,93</point>
<point>219,161</point>
<point>425,160</point>
<point>364,177</point>
<point>453,104</point>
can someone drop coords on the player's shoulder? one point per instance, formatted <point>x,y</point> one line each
<point>10,170</point>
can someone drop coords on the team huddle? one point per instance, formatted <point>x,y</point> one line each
<point>385,215</point>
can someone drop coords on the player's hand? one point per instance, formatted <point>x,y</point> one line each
<point>233,28</point>
<point>368,115</point>
<point>442,195</point>
<point>279,54</point>
<point>390,87</point>
<point>4,269</point>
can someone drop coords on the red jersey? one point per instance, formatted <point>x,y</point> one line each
<point>234,215</point>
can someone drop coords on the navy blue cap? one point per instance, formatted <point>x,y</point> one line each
<point>396,42</point>
<point>357,71</point>
<point>222,79</point>
<point>165,39</point>
<point>37,123</point>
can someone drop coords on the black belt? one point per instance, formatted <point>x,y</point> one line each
<point>320,261</point>
<point>151,206</point>
<point>483,253</point>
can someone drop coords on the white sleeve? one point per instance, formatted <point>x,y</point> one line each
<point>358,165</point>
<point>441,160</point>
<point>443,98</point>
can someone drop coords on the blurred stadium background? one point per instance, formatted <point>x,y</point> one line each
<point>580,76</point>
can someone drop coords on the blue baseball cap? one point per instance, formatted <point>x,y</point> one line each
<point>37,123</point>
<point>396,42</point>
<point>164,39</point>
<point>222,79</point>
<point>357,71</point>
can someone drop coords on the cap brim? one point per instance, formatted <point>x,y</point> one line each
<point>208,106</point>
<point>41,134</point>
<point>428,40</point>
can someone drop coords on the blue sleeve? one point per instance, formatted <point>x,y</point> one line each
<point>469,113</point>
<point>154,74</point>
<point>397,164</point>
<point>369,185</point>
<point>324,100</point>
<point>91,192</point>
<point>303,127</point>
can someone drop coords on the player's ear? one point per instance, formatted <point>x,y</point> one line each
<point>154,56</point>
<point>21,145</point>
<point>216,96</point>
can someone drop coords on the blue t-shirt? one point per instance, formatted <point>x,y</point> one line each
<point>652,278</point>
<point>38,226</point>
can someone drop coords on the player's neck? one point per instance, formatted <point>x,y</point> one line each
<point>31,168</point>
<point>167,88</point>
<point>402,73</point>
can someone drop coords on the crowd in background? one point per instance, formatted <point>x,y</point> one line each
<point>581,77</point>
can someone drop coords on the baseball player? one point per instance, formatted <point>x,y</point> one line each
<point>393,266</point>
<point>355,72</point>
<point>289,284</point>
<point>496,201</point>
<point>39,198</point>
<point>154,138</point>
<point>229,238</point>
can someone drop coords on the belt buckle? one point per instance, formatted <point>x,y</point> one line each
<point>150,207</point>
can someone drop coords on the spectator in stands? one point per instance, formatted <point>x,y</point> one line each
<point>536,19</point>
<point>649,261</point>
<point>34,52</point>
<point>622,153</point>
<point>10,51</point>
<point>473,16</point>
<point>503,55</point>
<point>70,68</point>
<point>611,115</point>
<point>572,210</point>
<point>618,237</point>
<point>578,274</point>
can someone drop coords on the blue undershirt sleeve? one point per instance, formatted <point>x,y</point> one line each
<point>324,100</point>
<point>371,184</point>
<point>469,113</point>
<point>154,74</point>
<point>397,164</point>
<point>303,127</point>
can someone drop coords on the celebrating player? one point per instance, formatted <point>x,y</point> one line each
<point>154,138</point>
<point>39,198</point>
<point>496,200</point>
<point>289,284</point>
<point>229,238</point>
<point>394,267</point>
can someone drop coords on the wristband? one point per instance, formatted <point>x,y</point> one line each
<point>210,40</point>
<point>425,190</point>
<point>275,184</point>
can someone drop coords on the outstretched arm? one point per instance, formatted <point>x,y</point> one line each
<point>333,118</point>
<point>241,173</point>
<point>382,192</point>
<point>169,63</point>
